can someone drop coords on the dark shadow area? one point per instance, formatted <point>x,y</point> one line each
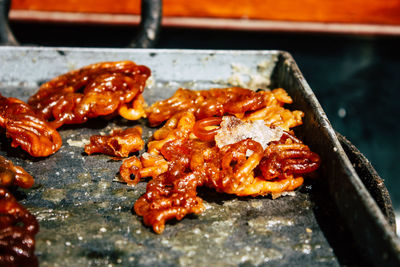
<point>65,35</point>
<point>339,238</point>
<point>18,152</point>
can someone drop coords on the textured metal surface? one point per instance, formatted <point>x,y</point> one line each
<point>371,179</point>
<point>85,215</point>
<point>371,232</point>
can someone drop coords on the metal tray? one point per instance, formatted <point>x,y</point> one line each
<point>86,216</point>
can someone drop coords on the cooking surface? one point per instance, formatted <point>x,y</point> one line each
<point>354,78</point>
<point>85,218</point>
<point>85,214</point>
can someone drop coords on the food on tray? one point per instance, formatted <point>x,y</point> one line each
<point>27,129</point>
<point>14,175</point>
<point>119,143</point>
<point>243,103</point>
<point>18,226</point>
<point>148,165</point>
<point>234,140</point>
<point>96,90</point>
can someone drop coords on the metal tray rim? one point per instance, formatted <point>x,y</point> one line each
<point>361,190</point>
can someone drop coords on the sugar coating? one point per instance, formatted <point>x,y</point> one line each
<point>234,130</point>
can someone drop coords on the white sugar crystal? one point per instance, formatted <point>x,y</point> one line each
<point>78,143</point>
<point>234,130</point>
<point>146,155</point>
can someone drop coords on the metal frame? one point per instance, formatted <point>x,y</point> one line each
<point>369,223</point>
<point>147,36</point>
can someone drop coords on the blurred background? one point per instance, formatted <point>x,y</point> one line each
<point>348,51</point>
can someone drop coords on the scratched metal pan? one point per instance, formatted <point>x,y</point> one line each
<point>86,216</point>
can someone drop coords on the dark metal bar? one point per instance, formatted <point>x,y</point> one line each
<point>149,28</point>
<point>6,35</point>
<point>150,24</point>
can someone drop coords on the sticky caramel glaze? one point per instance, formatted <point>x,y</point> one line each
<point>206,103</point>
<point>288,157</point>
<point>282,160</point>
<point>147,166</point>
<point>179,126</point>
<point>95,90</point>
<point>14,175</point>
<point>201,131</point>
<point>27,128</point>
<point>243,103</point>
<point>187,143</point>
<point>119,143</point>
<point>171,194</point>
<point>18,228</point>
<point>193,163</point>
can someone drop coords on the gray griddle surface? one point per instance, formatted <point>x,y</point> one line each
<point>85,214</point>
